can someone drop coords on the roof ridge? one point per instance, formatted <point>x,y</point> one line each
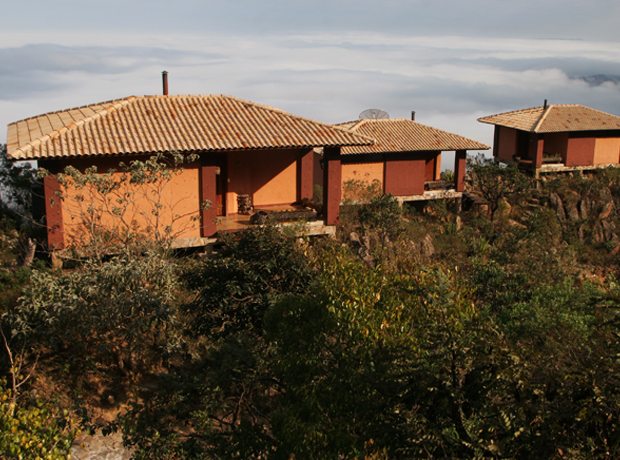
<point>123,102</point>
<point>529,109</point>
<point>54,112</point>
<point>542,117</point>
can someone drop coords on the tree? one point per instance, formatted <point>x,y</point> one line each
<point>416,362</point>
<point>16,191</point>
<point>495,181</point>
<point>217,402</point>
<point>234,290</point>
<point>381,356</point>
<point>383,214</point>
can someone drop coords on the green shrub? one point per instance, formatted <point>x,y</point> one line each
<point>112,318</point>
<point>383,214</point>
<point>33,430</point>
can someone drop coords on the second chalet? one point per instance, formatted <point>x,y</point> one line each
<point>555,138</point>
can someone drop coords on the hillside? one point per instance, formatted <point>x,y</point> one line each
<point>483,332</point>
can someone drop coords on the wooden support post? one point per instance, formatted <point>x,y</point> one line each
<point>537,145</point>
<point>305,176</point>
<point>332,185</point>
<point>208,171</point>
<point>496,142</point>
<point>460,163</point>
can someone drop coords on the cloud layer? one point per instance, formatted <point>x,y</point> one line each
<point>447,80</point>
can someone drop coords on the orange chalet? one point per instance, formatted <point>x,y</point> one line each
<point>556,138</point>
<point>405,158</point>
<point>241,150</point>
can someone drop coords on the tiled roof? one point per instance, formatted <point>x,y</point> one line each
<point>402,135</point>
<point>555,118</point>
<point>151,124</point>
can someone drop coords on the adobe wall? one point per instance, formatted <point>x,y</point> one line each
<point>365,173</point>
<point>400,174</point>
<point>142,209</point>
<point>607,151</point>
<point>507,143</point>
<point>433,166</point>
<point>580,151</point>
<point>404,176</point>
<point>269,176</point>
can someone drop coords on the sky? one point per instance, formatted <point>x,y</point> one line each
<point>450,61</point>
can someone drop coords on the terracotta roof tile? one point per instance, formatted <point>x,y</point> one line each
<point>555,118</point>
<point>150,124</point>
<point>402,135</point>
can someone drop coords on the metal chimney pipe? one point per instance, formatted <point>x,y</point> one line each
<point>545,107</point>
<point>164,76</point>
<point>412,115</point>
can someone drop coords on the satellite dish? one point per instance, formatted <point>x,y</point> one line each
<point>374,114</point>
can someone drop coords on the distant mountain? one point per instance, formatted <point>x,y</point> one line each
<point>596,80</point>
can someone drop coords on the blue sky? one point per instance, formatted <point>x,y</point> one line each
<point>451,61</point>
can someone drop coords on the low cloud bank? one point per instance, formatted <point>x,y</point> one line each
<point>448,80</point>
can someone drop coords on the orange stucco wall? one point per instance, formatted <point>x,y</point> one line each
<point>364,172</point>
<point>144,208</point>
<point>270,177</point>
<point>607,151</point>
<point>507,143</point>
<point>360,173</point>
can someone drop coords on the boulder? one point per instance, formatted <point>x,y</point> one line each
<point>427,245</point>
<point>582,234</point>
<point>366,242</point>
<point>571,210</point>
<point>583,209</point>
<point>608,228</point>
<point>607,210</point>
<point>505,208</point>
<point>558,206</point>
<point>354,238</point>
<point>598,234</point>
<point>517,225</point>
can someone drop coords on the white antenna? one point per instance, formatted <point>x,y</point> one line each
<point>374,114</point>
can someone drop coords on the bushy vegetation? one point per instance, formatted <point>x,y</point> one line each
<point>423,336</point>
<point>32,430</point>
